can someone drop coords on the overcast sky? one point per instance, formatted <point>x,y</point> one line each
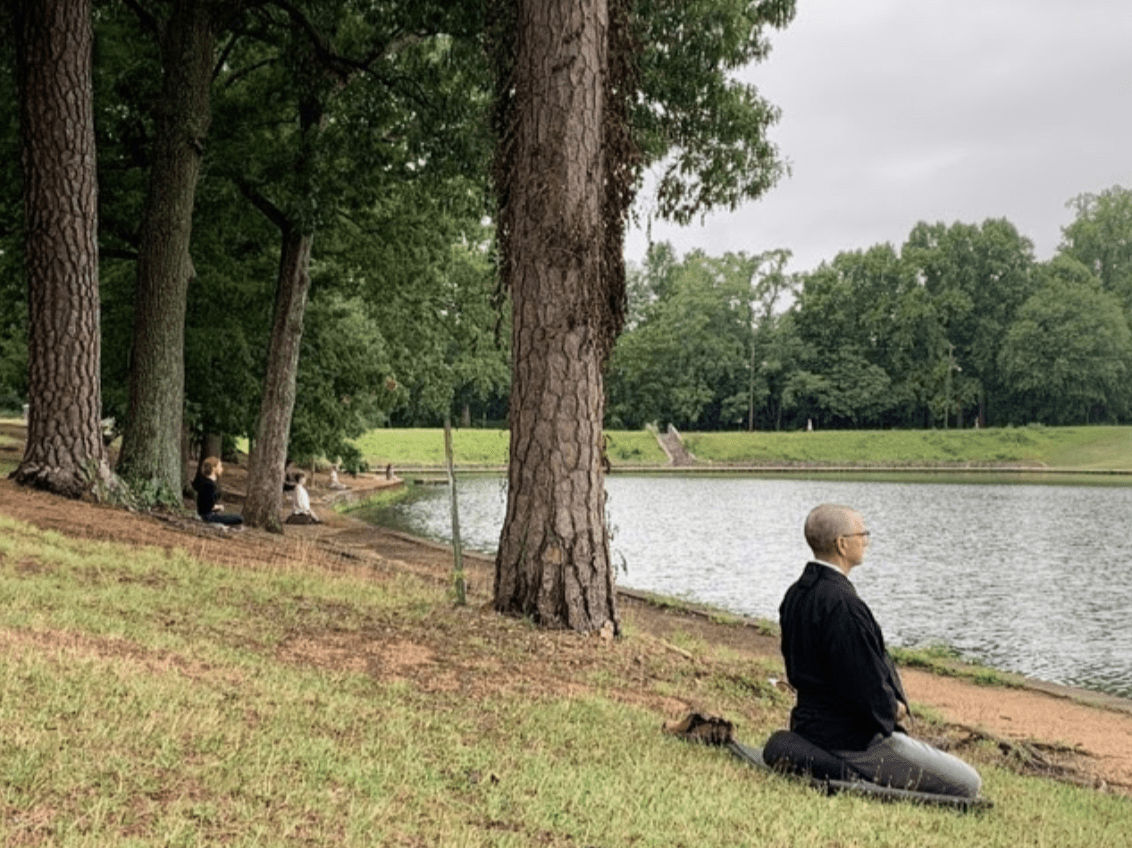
<point>899,111</point>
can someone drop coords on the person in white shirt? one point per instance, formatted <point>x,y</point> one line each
<point>301,512</point>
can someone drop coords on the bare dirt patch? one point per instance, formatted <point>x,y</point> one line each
<point>1055,724</point>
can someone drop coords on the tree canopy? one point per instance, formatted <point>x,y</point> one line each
<point>961,325</point>
<point>406,321</point>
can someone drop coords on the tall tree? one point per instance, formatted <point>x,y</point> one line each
<point>301,59</point>
<point>688,359</point>
<point>976,276</point>
<point>342,383</point>
<point>273,425</point>
<point>364,86</point>
<point>13,285</point>
<point>151,444</point>
<point>448,336</point>
<point>64,451</point>
<point>769,282</point>
<point>589,92</point>
<point>838,308</point>
<point>1100,237</point>
<point>553,562</point>
<point>1069,351</point>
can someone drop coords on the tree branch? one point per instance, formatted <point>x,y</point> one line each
<point>260,201</point>
<point>344,66</point>
<point>117,253</point>
<point>225,52</point>
<point>243,72</point>
<point>147,18</point>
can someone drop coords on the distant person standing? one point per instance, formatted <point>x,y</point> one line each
<point>209,507</point>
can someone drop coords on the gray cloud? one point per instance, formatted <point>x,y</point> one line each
<point>897,111</point>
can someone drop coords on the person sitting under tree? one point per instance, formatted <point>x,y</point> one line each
<point>208,494</point>
<point>301,512</point>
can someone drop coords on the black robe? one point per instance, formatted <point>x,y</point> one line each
<point>848,687</point>
<point>208,494</point>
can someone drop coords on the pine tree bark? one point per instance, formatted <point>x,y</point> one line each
<point>553,563</point>
<point>64,449</point>
<point>268,459</point>
<point>151,449</point>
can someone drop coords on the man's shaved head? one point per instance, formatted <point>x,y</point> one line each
<point>825,524</point>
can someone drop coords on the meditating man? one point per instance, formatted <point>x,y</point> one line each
<point>850,699</point>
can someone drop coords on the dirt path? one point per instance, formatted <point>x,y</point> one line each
<point>1086,733</point>
<point>1059,717</point>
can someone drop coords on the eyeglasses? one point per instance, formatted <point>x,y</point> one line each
<point>864,533</point>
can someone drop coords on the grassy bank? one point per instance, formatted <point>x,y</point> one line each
<point>1076,448</point>
<point>1089,449</point>
<point>151,698</point>
<point>425,447</point>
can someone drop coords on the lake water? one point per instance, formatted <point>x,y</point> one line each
<point>1029,578</point>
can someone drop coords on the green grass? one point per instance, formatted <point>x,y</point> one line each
<point>633,447</point>
<point>379,498</point>
<point>1087,449</point>
<point>1070,448</point>
<point>425,447</point>
<point>150,698</point>
<point>945,660</point>
<point>1091,448</point>
<point>1056,447</point>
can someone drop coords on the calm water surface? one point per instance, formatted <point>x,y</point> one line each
<point>1028,578</point>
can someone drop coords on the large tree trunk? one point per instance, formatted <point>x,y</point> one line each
<point>151,449</point>
<point>553,562</point>
<point>269,454</point>
<point>64,443</point>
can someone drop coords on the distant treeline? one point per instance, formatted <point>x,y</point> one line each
<point>959,327</point>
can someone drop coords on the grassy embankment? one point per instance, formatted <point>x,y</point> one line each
<point>1079,449</point>
<point>150,698</point>
<point>424,448</point>
<point>1063,448</point>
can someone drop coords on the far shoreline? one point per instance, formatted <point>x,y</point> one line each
<point>937,473</point>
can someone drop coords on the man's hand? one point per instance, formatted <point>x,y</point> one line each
<point>901,711</point>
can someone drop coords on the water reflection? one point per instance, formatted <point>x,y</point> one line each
<point>1021,577</point>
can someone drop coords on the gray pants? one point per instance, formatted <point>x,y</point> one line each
<point>906,763</point>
